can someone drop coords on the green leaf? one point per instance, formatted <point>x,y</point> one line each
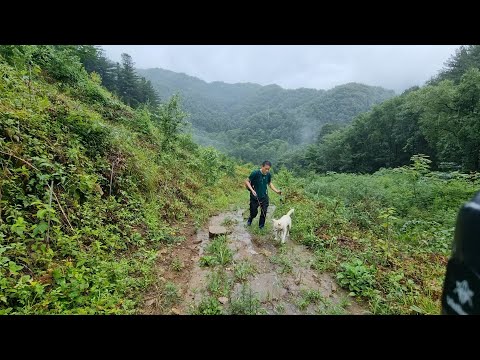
<point>417,309</point>
<point>40,228</point>
<point>14,267</point>
<point>19,227</point>
<point>41,213</point>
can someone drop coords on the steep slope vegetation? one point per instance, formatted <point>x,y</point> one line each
<point>89,187</point>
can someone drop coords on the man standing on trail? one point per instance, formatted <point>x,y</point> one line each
<point>257,184</point>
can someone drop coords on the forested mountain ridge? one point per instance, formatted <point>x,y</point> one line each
<point>439,120</point>
<point>240,118</point>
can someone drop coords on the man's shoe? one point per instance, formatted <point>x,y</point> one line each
<point>249,222</point>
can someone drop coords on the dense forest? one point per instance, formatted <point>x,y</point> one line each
<point>119,79</point>
<point>439,120</point>
<point>253,122</point>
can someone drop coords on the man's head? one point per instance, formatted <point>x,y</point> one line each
<point>266,165</point>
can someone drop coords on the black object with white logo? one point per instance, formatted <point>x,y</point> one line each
<point>461,289</point>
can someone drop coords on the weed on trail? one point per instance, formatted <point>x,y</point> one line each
<point>243,269</point>
<point>246,303</point>
<point>283,261</point>
<point>177,264</point>
<point>228,222</point>
<point>219,284</point>
<point>217,252</point>
<point>208,306</point>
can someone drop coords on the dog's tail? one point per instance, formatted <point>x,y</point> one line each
<point>290,212</point>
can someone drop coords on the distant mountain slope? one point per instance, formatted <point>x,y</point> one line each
<point>233,117</point>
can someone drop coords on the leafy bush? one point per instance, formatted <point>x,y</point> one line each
<point>357,277</point>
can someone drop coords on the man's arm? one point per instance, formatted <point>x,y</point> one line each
<point>247,183</point>
<point>274,188</point>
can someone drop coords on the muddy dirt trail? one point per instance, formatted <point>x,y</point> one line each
<point>261,276</point>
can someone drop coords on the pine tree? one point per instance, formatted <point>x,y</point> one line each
<point>127,84</point>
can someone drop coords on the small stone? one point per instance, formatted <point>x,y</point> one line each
<point>197,241</point>
<point>150,302</point>
<point>176,311</point>
<point>223,300</point>
<point>214,231</point>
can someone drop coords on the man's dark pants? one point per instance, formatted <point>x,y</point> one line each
<point>254,205</point>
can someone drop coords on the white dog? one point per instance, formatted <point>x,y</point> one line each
<point>283,224</point>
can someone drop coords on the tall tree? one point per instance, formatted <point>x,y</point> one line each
<point>147,94</point>
<point>127,82</point>
<point>451,120</point>
<point>94,60</point>
<point>465,58</point>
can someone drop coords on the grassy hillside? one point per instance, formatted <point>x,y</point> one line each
<point>90,188</point>
<point>386,236</point>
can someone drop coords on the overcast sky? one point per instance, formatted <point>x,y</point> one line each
<point>395,67</point>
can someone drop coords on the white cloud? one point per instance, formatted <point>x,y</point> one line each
<point>396,67</point>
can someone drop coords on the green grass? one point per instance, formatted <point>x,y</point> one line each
<point>284,263</point>
<point>177,264</point>
<point>243,269</point>
<point>171,295</point>
<point>228,222</point>
<point>219,284</point>
<point>308,297</point>
<point>246,303</point>
<point>384,236</point>
<point>217,252</point>
<point>280,309</point>
<point>328,307</point>
<point>209,305</point>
